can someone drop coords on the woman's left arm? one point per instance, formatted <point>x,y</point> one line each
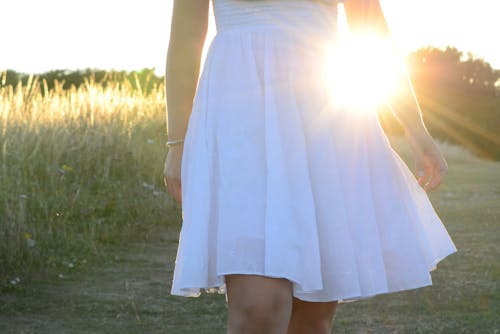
<point>365,17</point>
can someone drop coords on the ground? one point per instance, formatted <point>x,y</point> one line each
<point>128,293</point>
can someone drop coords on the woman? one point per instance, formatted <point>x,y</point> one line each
<point>291,202</point>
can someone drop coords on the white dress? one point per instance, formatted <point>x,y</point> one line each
<point>279,181</point>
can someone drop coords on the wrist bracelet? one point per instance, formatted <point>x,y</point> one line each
<point>174,142</point>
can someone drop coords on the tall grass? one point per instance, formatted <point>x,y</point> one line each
<point>79,169</point>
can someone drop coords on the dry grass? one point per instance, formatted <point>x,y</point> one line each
<point>79,169</point>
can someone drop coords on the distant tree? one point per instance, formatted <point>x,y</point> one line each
<point>479,76</point>
<point>11,78</point>
<point>449,69</point>
<point>459,96</point>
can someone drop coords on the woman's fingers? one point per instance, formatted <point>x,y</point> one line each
<point>437,178</point>
<point>424,169</point>
<point>430,171</point>
<point>177,191</point>
<point>434,171</point>
<point>440,169</point>
<point>172,171</point>
<point>174,188</point>
<point>430,165</point>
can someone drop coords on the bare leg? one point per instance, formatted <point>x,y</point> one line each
<point>311,318</point>
<point>258,304</point>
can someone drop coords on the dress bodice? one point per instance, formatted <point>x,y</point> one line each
<point>281,14</point>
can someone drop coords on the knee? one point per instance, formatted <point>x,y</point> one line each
<point>258,315</point>
<point>258,304</point>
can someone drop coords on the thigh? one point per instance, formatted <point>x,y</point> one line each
<point>257,287</point>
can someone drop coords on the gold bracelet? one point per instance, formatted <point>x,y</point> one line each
<point>174,142</point>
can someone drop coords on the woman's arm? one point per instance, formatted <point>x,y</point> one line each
<point>187,37</point>
<point>366,17</point>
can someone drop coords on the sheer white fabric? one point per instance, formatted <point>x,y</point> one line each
<point>278,180</point>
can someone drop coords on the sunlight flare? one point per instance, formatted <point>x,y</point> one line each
<point>362,71</point>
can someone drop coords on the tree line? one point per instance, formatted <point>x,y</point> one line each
<point>144,79</point>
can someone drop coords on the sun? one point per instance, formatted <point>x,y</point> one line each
<point>361,72</point>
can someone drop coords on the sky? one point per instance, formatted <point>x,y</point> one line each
<point>38,36</point>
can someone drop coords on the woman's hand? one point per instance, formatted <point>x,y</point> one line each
<point>430,164</point>
<point>172,172</point>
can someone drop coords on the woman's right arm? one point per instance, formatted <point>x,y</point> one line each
<point>187,37</point>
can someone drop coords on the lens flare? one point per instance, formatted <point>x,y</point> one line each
<point>362,71</point>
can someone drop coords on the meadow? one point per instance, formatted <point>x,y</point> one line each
<point>79,169</point>
<point>89,234</point>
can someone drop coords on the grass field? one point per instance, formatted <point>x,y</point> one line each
<point>79,169</point>
<point>89,235</point>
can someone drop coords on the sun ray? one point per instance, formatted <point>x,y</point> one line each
<point>463,122</point>
<point>456,135</point>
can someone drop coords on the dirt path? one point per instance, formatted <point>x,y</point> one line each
<point>128,295</point>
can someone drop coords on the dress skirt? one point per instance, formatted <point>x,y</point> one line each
<point>280,180</point>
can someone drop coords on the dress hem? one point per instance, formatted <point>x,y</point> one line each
<point>219,288</point>
<point>350,298</point>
